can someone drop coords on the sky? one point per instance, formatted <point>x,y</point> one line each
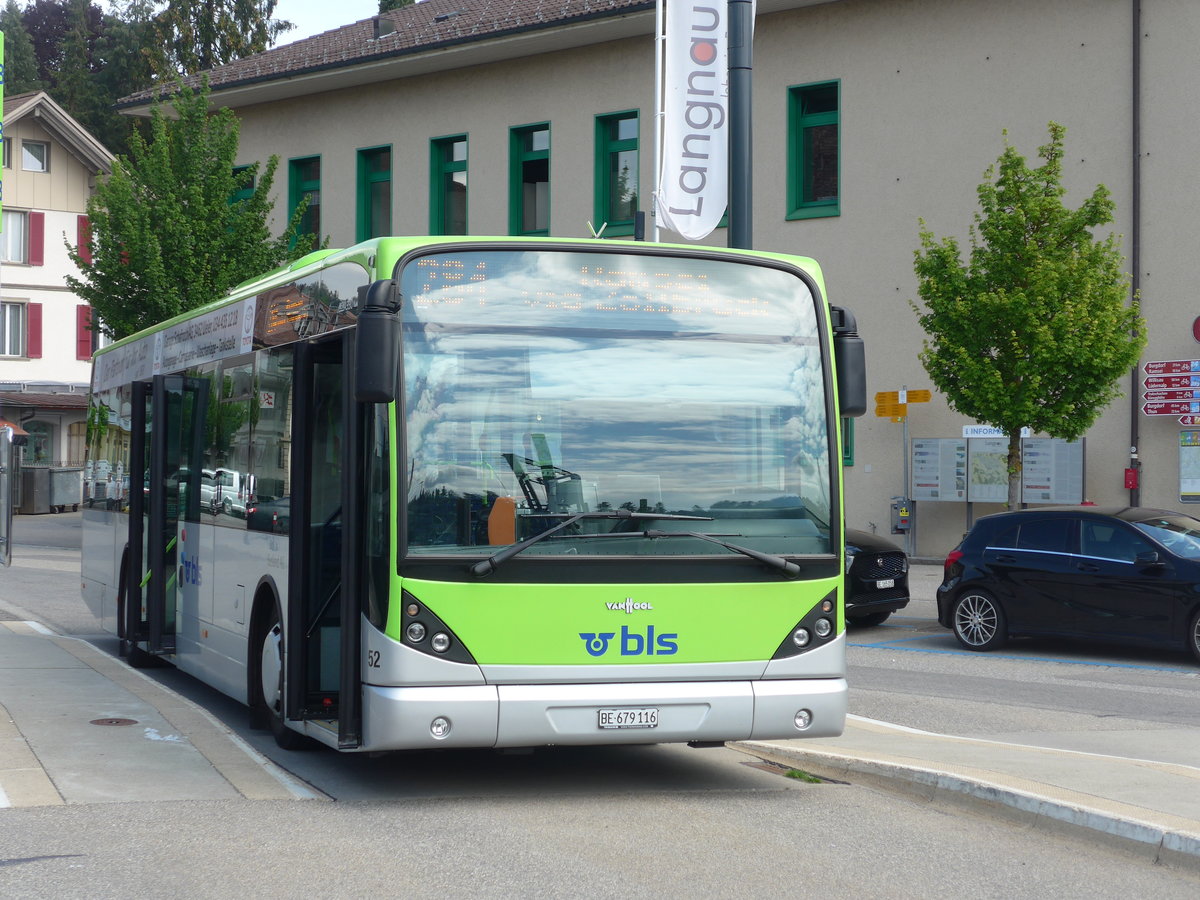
<point>314,16</point>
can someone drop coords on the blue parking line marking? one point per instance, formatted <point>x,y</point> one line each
<point>896,645</point>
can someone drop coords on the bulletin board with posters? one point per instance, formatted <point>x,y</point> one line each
<point>975,470</point>
<point>1189,467</point>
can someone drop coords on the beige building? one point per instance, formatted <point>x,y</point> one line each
<point>50,168</point>
<point>536,117</point>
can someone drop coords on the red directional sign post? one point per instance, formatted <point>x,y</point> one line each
<point>1171,407</point>
<point>1189,394</point>
<point>1170,382</point>
<point>1171,387</point>
<point>1171,366</point>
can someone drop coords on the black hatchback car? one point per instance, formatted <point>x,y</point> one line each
<point>1124,574</point>
<point>876,578</point>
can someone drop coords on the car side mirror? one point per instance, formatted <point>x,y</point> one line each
<point>1148,559</point>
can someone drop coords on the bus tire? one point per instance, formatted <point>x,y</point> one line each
<point>268,652</point>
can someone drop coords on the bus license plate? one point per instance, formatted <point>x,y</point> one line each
<point>628,717</point>
<point>885,583</point>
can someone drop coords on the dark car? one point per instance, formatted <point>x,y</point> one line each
<point>876,578</point>
<point>1125,574</point>
<point>270,515</point>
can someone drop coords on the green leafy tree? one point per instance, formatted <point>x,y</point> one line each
<point>20,64</point>
<point>1035,328</point>
<point>75,85</point>
<point>389,5</point>
<point>197,35</point>
<point>122,68</point>
<point>167,235</point>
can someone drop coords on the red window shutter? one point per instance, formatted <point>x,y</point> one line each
<point>33,330</point>
<point>83,331</point>
<point>83,239</point>
<point>37,239</point>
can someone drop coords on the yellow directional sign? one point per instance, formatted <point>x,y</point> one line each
<point>889,404</point>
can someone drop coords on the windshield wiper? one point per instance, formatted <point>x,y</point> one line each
<point>489,565</point>
<point>790,569</point>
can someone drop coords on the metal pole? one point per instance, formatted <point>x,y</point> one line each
<point>658,111</point>
<point>741,65</point>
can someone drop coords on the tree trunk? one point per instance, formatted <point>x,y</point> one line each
<point>1014,470</point>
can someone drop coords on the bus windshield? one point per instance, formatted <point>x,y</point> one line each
<point>543,384</point>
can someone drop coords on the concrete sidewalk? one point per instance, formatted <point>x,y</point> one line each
<point>1152,808</point>
<point>78,726</point>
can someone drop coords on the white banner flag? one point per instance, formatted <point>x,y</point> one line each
<point>693,184</point>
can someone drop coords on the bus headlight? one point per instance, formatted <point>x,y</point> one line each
<point>818,628</point>
<point>415,632</point>
<point>804,719</point>
<point>440,728</point>
<point>440,642</point>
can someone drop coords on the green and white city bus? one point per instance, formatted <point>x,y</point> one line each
<point>487,492</point>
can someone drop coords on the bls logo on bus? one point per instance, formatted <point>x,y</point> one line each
<point>191,568</point>
<point>632,643</point>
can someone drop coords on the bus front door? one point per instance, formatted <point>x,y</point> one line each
<point>168,449</point>
<point>322,678</point>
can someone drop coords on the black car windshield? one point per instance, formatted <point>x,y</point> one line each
<point>1179,534</point>
<point>541,385</point>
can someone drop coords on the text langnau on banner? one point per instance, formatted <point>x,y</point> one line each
<point>693,185</point>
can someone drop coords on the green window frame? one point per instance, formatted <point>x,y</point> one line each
<point>243,184</point>
<point>304,181</point>
<point>529,180</point>
<point>374,190</point>
<point>448,185</point>
<point>847,441</point>
<point>616,181</point>
<point>814,150</point>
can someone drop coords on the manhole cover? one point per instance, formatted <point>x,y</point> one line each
<point>113,722</point>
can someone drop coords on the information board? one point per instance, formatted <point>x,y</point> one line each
<point>939,469</point>
<point>1189,466</point>
<point>1051,471</point>
<point>987,470</point>
<point>975,470</point>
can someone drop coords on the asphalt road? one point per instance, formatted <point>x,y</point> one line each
<point>616,822</point>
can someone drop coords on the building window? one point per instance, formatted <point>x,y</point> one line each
<point>243,184</point>
<point>12,329</point>
<point>448,185</point>
<point>529,180</point>
<point>35,156</point>
<point>813,176</point>
<point>14,241</point>
<point>304,183</point>
<point>40,449</point>
<point>374,192</point>
<point>8,153</point>
<point>616,173</point>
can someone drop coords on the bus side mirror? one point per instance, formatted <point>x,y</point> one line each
<point>6,512</point>
<point>377,348</point>
<point>850,363</point>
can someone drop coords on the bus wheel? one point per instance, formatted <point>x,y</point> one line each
<point>270,683</point>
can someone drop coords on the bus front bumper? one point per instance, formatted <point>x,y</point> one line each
<point>396,718</point>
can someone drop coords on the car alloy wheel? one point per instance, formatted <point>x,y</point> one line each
<point>979,621</point>
<point>1194,636</point>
